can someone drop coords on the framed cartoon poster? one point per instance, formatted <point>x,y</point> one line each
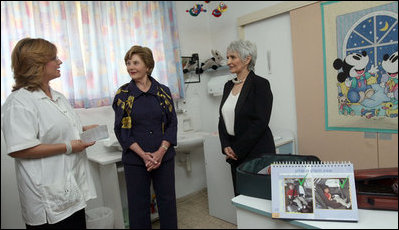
<point>360,44</point>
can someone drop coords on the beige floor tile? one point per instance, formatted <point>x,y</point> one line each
<point>193,213</point>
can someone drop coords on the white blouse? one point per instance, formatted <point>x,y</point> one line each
<point>50,188</point>
<point>228,112</point>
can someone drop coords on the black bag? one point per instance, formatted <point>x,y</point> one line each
<point>250,183</point>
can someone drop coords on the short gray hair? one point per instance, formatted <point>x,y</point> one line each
<point>244,49</point>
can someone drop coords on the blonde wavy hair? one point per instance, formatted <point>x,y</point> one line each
<point>28,60</point>
<point>145,54</point>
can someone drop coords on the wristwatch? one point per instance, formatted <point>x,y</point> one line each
<point>68,147</point>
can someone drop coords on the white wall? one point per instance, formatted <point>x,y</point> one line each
<point>204,32</point>
<point>193,31</point>
<point>11,216</point>
<point>273,34</point>
<point>224,28</point>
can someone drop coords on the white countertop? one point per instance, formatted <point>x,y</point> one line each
<point>283,141</point>
<point>278,139</point>
<point>103,157</point>
<point>370,219</point>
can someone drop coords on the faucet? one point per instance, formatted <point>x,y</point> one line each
<point>180,110</point>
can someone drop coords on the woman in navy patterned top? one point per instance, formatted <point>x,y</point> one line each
<point>146,128</point>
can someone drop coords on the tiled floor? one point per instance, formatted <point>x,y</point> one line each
<point>193,212</point>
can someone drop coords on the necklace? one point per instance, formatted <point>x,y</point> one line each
<point>237,81</point>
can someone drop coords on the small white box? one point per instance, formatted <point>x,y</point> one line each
<point>216,84</point>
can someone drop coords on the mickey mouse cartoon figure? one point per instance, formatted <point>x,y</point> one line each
<point>355,77</point>
<point>389,80</point>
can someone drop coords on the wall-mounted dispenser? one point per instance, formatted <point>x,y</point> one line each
<point>216,84</point>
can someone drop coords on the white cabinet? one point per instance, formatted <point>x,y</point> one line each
<point>113,186</point>
<point>110,182</point>
<point>219,180</point>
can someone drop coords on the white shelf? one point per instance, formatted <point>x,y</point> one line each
<point>211,70</point>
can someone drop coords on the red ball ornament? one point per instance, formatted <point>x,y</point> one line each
<point>216,13</point>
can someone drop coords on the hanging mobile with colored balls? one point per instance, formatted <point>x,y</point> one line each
<point>196,10</point>
<point>216,13</point>
<point>222,7</point>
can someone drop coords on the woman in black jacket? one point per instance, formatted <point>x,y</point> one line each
<point>245,109</point>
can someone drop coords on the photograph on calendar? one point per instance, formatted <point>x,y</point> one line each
<point>314,191</point>
<point>332,193</point>
<point>298,195</point>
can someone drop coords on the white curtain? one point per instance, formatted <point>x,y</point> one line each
<point>92,38</point>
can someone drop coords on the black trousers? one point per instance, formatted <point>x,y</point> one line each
<point>234,165</point>
<point>234,175</point>
<point>76,221</point>
<point>138,182</point>
<point>250,156</point>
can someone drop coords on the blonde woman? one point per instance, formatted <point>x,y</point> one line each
<point>41,131</point>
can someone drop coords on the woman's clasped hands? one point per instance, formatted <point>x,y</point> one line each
<point>153,160</point>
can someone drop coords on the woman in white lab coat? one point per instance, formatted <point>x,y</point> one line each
<point>41,131</point>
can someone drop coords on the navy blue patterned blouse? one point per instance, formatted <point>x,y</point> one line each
<point>147,118</point>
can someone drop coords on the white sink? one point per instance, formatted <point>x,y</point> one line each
<point>188,141</point>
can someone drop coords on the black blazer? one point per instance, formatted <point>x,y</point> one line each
<point>253,136</point>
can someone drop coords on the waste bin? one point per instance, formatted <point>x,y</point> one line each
<point>100,218</point>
